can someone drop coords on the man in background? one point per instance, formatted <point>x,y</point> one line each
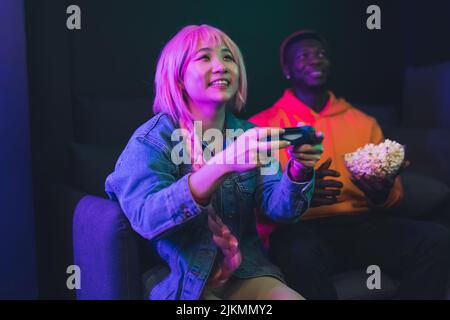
<point>345,228</point>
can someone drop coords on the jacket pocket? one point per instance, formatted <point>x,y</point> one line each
<point>246,181</point>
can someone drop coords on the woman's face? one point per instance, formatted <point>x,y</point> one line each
<point>211,76</point>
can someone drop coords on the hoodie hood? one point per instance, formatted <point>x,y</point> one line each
<point>290,103</point>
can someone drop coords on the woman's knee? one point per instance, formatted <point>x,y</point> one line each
<point>260,288</point>
<point>274,289</point>
<point>283,292</point>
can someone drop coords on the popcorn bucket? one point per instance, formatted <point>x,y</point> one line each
<point>379,161</point>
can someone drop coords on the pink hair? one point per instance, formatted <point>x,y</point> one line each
<point>170,98</point>
<point>169,92</point>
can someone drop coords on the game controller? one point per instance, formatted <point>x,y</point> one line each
<point>301,135</point>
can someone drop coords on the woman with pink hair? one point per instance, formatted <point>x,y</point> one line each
<point>199,213</point>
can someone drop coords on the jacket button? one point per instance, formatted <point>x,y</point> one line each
<point>187,212</point>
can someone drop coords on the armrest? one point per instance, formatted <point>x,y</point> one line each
<point>106,250</point>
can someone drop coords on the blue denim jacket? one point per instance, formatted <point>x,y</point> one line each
<point>154,194</point>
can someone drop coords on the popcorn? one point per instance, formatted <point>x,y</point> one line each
<point>381,161</point>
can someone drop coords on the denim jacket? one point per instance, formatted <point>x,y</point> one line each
<point>154,194</point>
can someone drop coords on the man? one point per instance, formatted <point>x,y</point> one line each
<point>346,227</point>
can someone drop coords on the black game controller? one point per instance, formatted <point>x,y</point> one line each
<point>301,135</point>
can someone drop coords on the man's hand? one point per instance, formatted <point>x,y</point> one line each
<point>377,189</point>
<point>326,191</point>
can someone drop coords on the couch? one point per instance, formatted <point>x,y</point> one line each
<point>115,261</point>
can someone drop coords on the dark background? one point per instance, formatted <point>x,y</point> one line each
<point>90,88</point>
<point>18,273</point>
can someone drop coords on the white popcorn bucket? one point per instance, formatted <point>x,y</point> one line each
<point>379,161</point>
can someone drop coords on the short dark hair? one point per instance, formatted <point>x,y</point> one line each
<point>297,36</point>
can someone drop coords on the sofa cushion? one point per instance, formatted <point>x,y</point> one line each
<point>427,149</point>
<point>90,165</point>
<point>424,195</point>
<point>108,121</point>
<point>426,97</point>
<point>106,250</point>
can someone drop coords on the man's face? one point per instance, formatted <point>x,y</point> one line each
<point>307,63</point>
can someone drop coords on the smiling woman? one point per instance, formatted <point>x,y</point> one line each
<point>195,42</point>
<point>212,74</point>
<point>194,213</point>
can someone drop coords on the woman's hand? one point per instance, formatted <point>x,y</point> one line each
<point>305,158</point>
<point>250,150</point>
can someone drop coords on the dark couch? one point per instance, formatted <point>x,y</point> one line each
<point>115,261</point>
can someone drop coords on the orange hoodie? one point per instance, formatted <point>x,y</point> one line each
<point>346,129</point>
